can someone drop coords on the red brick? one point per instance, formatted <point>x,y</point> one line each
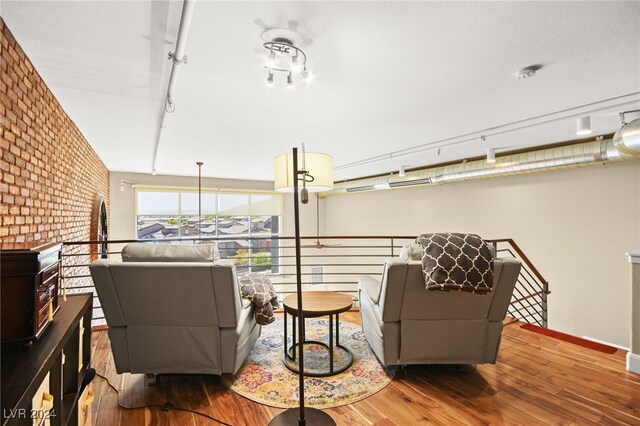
<point>50,176</point>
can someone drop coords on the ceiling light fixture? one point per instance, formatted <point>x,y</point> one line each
<point>271,60</point>
<point>285,57</point>
<point>401,172</point>
<point>583,125</point>
<point>491,155</point>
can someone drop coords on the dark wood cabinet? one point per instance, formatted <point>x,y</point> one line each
<point>50,380</point>
<point>29,284</point>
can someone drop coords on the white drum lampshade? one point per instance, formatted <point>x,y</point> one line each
<point>320,166</point>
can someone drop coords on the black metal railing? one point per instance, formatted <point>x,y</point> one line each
<point>529,299</point>
<point>328,263</point>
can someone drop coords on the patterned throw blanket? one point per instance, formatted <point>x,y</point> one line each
<point>458,262</point>
<point>259,290</point>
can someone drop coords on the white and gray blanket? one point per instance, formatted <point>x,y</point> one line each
<point>456,262</point>
<point>258,289</point>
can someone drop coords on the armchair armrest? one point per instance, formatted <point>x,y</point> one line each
<point>371,287</point>
<point>246,319</point>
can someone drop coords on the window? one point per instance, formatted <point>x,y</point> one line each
<point>173,214</point>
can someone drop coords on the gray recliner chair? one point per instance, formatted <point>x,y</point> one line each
<point>174,309</point>
<point>404,323</point>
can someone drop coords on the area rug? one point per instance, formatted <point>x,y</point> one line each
<point>264,379</point>
<point>571,339</point>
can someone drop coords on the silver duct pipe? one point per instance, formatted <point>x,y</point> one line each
<point>624,146</point>
<point>178,58</point>
<point>627,139</point>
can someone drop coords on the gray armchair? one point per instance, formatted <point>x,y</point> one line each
<point>174,309</point>
<point>404,323</point>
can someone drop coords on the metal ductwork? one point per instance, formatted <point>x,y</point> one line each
<point>625,145</point>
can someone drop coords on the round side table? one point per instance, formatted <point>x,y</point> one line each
<point>317,304</point>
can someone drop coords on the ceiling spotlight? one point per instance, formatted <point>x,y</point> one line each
<point>271,60</point>
<point>153,172</point>
<point>296,66</point>
<point>270,79</point>
<point>583,125</point>
<point>491,155</point>
<point>401,172</point>
<point>289,81</point>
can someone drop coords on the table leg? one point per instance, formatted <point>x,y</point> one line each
<point>337,329</point>
<point>285,333</point>
<point>293,326</point>
<point>331,344</point>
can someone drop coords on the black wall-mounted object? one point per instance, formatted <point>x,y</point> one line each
<point>103,229</point>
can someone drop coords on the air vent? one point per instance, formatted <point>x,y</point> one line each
<point>424,181</point>
<point>360,188</point>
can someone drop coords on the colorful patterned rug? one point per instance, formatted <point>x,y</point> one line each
<point>264,379</point>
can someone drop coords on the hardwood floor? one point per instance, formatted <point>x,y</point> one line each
<point>538,380</point>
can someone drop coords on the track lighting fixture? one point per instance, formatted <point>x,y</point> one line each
<point>491,155</point>
<point>285,57</point>
<point>401,171</point>
<point>583,125</point>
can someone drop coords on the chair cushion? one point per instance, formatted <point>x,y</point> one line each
<point>371,287</point>
<point>145,252</point>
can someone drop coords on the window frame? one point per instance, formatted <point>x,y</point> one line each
<point>275,246</point>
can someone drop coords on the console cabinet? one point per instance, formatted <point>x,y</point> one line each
<point>47,383</point>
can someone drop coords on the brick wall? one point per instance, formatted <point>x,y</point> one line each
<point>50,177</point>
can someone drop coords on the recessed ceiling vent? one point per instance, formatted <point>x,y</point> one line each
<point>360,188</point>
<point>425,181</point>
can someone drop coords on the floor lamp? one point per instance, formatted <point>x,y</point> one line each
<point>316,175</point>
<point>199,164</point>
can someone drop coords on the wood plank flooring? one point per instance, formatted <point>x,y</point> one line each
<point>538,380</point>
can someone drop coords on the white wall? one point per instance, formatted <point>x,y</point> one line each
<point>574,225</point>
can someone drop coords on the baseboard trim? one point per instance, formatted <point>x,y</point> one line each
<point>633,362</point>
<point>604,342</point>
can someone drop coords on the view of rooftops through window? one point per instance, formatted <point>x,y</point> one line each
<point>164,214</point>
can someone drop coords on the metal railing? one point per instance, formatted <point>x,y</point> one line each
<point>529,299</point>
<point>328,263</point>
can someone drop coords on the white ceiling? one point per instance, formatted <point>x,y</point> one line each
<point>388,76</point>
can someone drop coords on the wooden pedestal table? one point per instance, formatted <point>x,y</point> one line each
<point>317,304</point>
